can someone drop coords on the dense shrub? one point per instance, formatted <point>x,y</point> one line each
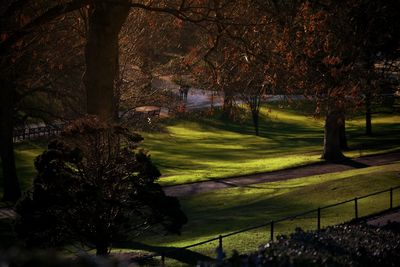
<point>94,188</point>
<point>24,258</point>
<point>342,245</point>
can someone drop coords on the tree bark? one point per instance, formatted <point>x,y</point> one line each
<point>254,105</point>
<point>12,190</point>
<point>101,249</point>
<point>101,54</point>
<point>332,150</point>
<point>255,116</point>
<point>368,112</point>
<point>342,133</point>
<point>227,108</point>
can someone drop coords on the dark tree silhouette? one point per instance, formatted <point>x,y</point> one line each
<point>94,188</point>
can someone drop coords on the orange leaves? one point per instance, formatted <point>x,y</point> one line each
<point>289,57</point>
<point>192,56</point>
<point>124,40</point>
<point>312,21</point>
<point>328,46</point>
<point>331,60</point>
<point>19,44</point>
<point>3,37</point>
<point>310,52</point>
<point>178,23</point>
<point>271,79</point>
<point>24,19</point>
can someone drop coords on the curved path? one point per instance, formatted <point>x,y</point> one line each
<point>297,172</point>
<point>292,173</point>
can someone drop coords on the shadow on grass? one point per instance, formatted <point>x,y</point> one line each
<point>182,255</point>
<point>352,163</point>
<point>269,128</point>
<point>284,138</point>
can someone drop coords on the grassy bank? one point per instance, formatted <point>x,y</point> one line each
<point>198,150</point>
<point>228,210</point>
<point>191,150</point>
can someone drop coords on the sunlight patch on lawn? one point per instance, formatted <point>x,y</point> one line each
<point>209,213</point>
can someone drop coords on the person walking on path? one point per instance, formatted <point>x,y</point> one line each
<point>183,92</point>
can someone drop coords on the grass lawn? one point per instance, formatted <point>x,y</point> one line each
<point>194,150</point>
<point>25,155</point>
<point>198,150</point>
<point>228,210</point>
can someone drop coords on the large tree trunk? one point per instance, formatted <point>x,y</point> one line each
<point>333,122</point>
<point>11,186</point>
<point>342,133</point>
<point>101,249</point>
<point>254,105</point>
<point>101,52</point>
<point>227,108</point>
<point>255,116</point>
<point>368,112</point>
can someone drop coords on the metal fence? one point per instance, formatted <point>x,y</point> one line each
<point>30,133</point>
<point>33,132</point>
<point>139,115</point>
<point>6,210</point>
<point>271,225</point>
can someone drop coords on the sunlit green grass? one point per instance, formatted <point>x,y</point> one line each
<point>25,155</point>
<point>224,211</point>
<point>191,150</point>
<point>198,150</point>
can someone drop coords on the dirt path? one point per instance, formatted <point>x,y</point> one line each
<point>303,171</point>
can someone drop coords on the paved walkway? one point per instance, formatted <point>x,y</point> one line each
<point>302,171</point>
<point>201,99</point>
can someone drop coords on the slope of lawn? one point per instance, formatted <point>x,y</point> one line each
<point>228,210</point>
<point>198,149</point>
<point>203,149</point>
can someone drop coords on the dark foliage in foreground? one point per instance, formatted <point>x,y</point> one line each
<point>94,188</point>
<point>342,245</point>
<point>23,258</point>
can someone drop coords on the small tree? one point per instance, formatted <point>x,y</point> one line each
<point>94,188</point>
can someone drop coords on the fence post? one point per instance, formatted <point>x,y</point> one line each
<point>162,259</point>
<point>272,230</point>
<point>355,208</point>
<point>391,198</point>
<point>319,219</point>
<point>220,242</point>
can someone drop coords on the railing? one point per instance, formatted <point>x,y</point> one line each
<point>6,210</point>
<point>132,115</point>
<point>272,224</point>
<point>30,133</point>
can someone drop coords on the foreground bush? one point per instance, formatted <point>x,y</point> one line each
<point>93,188</point>
<point>342,245</point>
<point>23,258</point>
